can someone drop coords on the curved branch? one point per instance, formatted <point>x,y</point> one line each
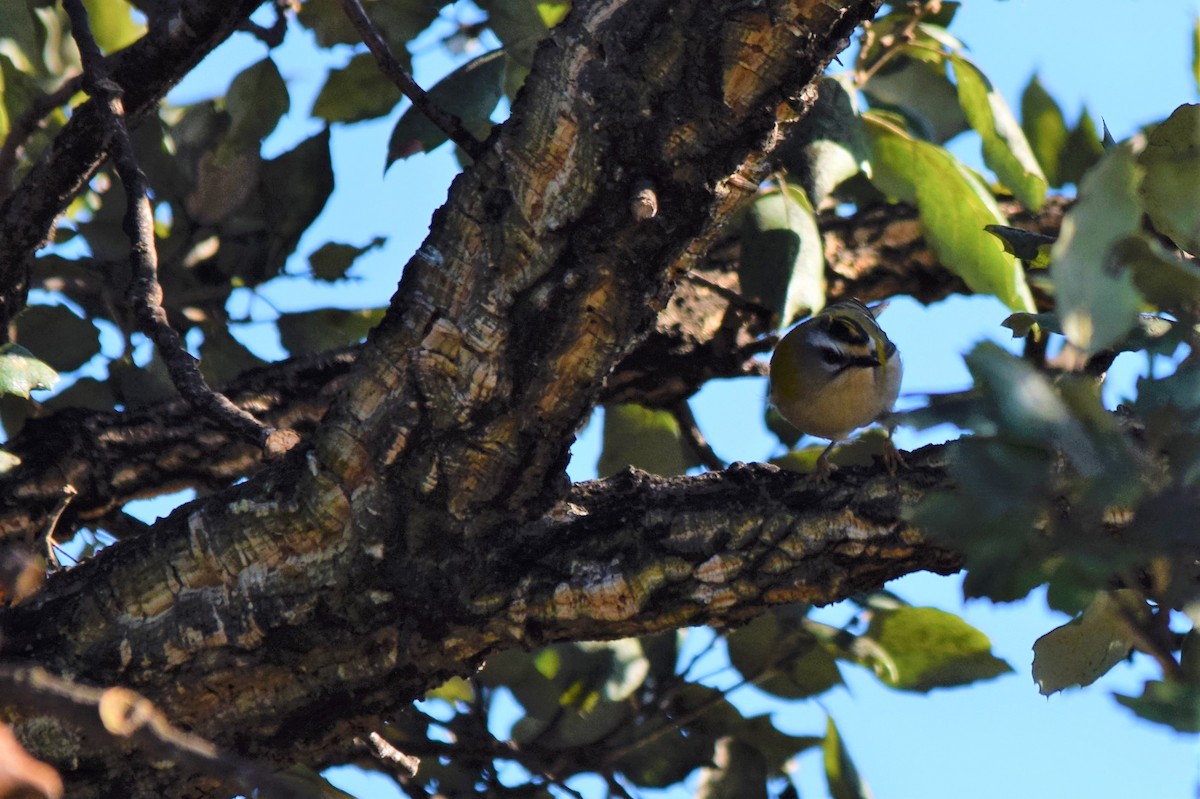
<point>146,71</point>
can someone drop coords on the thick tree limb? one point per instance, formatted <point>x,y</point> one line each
<point>422,531</point>
<point>703,333</point>
<point>630,555</point>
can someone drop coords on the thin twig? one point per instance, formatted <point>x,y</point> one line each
<point>694,438</point>
<point>24,126</point>
<point>145,292</point>
<point>68,494</point>
<point>383,749</point>
<point>121,713</point>
<point>449,124</point>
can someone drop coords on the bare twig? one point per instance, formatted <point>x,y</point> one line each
<point>694,438</point>
<point>407,765</point>
<point>68,493</point>
<point>24,126</point>
<point>449,124</point>
<point>121,713</point>
<point>145,292</point>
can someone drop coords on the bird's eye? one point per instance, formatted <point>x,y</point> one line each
<point>831,356</point>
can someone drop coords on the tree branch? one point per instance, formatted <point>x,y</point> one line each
<point>122,714</point>
<point>146,71</point>
<point>145,292</point>
<point>449,124</point>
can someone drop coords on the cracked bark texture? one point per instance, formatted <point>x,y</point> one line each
<point>430,522</point>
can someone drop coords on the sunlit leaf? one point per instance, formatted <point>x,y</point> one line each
<point>783,255</point>
<point>955,209</point>
<point>1084,649</point>
<point>648,438</point>
<point>21,373</point>
<point>1005,149</point>
<point>1045,128</point>
<point>928,648</point>
<point>455,689</point>
<point>840,772</point>
<point>1096,299</point>
<point>1170,190</point>
<point>113,24</point>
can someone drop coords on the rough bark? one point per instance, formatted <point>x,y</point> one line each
<point>107,459</point>
<point>430,521</point>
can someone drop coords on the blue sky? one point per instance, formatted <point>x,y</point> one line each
<point>1129,61</point>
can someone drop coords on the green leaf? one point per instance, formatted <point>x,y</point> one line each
<point>17,29</point>
<point>921,92</point>
<point>469,93</point>
<point>927,648</point>
<point>294,188</point>
<point>326,328</point>
<point>57,336</point>
<point>1028,409</point>
<point>1170,190</point>
<point>332,260</point>
<point>828,145</point>
<point>455,689</point>
<point>840,771</point>
<point>1162,277</point>
<point>783,255</point>
<point>955,209</point>
<point>783,658</point>
<point>356,92</point>
<point>520,25</point>
<point>1081,152</point>
<point>399,21</point>
<point>1174,704</point>
<point>1097,301</point>
<point>223,357</point>
<point>553,12</point>
<point>1196,52</point>
<point>739,771</point>
<point>1025,244</point>
<point>647,438</point>
<point>1005,149</point>
<point>1084,649</point>
<point>21,373</point>
<point>112,23</point>
<point>256,101</point>
<point>1045,128</point>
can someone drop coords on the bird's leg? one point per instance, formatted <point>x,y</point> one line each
<point>893,461</point>
<point>824,467</point>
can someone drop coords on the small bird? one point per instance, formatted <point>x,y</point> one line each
<point>834,373</point>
